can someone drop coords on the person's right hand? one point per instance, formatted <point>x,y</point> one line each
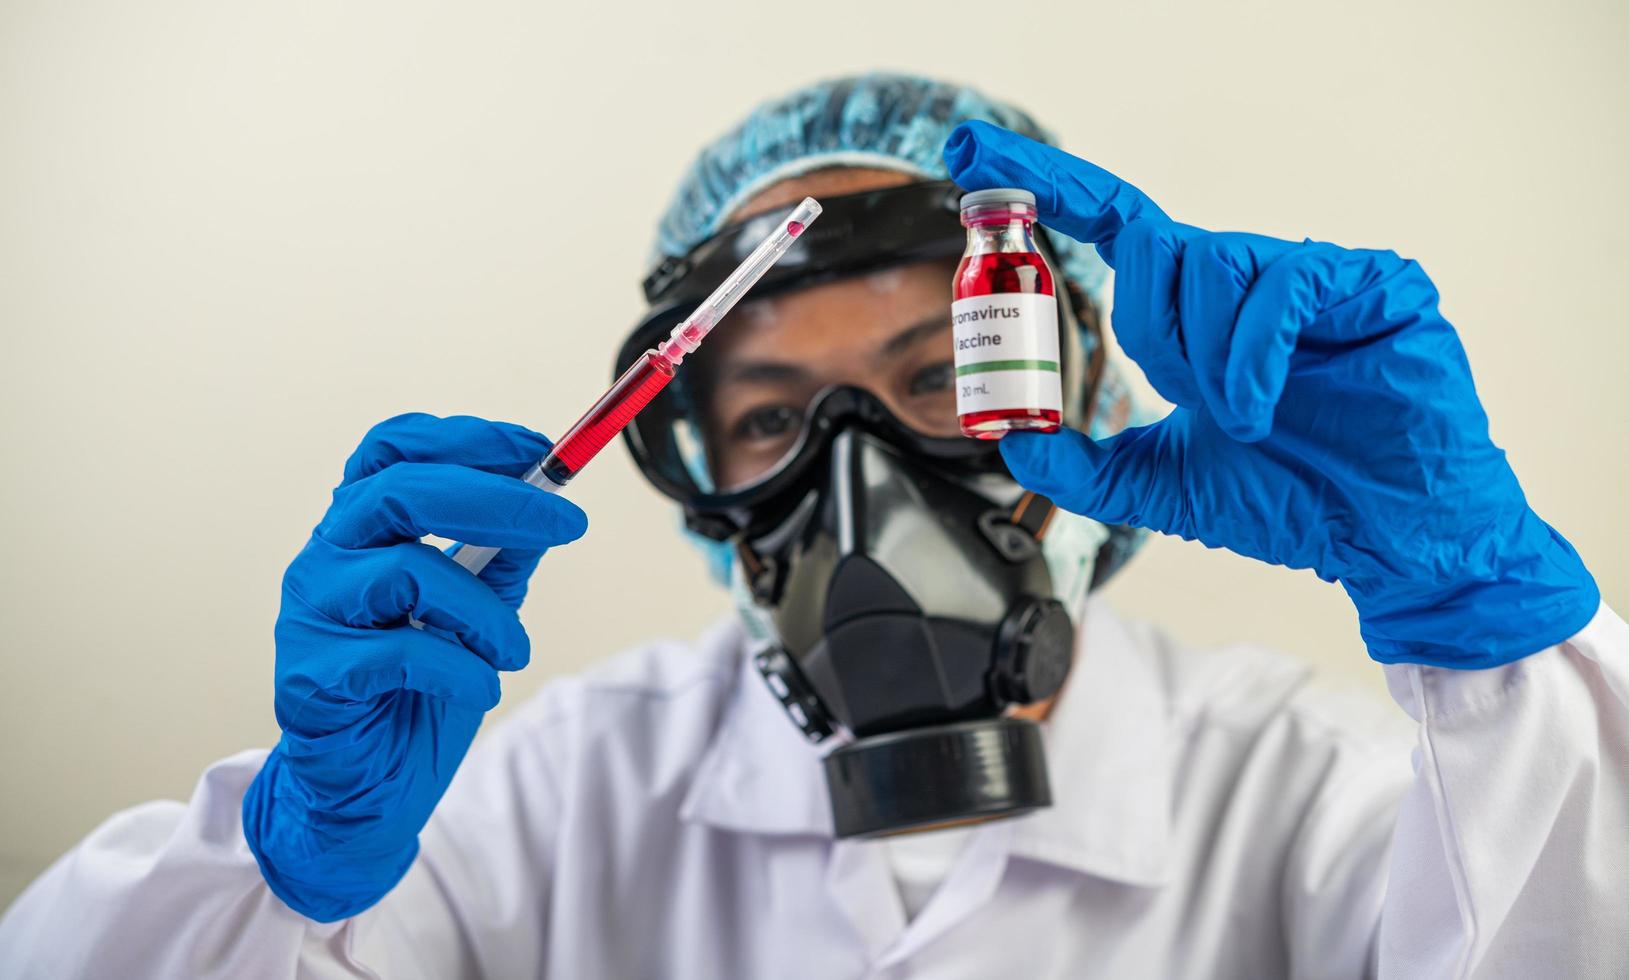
<point>377,713</point>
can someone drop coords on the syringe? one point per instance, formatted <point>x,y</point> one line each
<point>650,374</point>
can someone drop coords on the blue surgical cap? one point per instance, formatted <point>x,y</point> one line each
<point>886,121</point>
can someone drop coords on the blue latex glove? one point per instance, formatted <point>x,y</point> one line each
<point>1325,419</point>
<point>376,715</point>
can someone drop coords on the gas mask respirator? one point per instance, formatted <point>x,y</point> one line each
<point>913,607</point>
<point>895,571</point>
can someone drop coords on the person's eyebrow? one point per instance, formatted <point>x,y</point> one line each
<point>770,372</point>
<point>926,327</point>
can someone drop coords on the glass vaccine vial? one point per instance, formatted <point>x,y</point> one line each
<point>1004,316</point>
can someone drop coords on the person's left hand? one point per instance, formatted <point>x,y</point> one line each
<point>1325,419</point>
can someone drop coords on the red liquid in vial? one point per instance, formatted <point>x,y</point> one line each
<point>794,228</point>
<point>1005,272</point>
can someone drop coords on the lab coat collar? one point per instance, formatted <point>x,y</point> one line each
<point>758,775</point>
<point>1109,755</point>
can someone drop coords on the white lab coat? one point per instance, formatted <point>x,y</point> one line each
<point>1217,814</point>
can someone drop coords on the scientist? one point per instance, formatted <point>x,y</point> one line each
<point>920,748</point>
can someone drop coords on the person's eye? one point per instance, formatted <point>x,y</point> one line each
<point>933,379</point>
<point>768,422</point>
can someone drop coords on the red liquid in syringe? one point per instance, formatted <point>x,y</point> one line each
<point>649,374</point>
<point>608,416</point>
<point>645,379</point>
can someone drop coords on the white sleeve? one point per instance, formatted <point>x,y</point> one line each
<point>171,890</point>
<point>1510,849</point>
<point>168,890</point>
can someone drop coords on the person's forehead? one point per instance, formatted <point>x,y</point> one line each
<point>848,314</point>
<point>900,285</point>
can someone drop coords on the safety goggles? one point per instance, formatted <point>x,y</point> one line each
<point>732,431</point>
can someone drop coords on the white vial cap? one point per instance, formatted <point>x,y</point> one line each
<point>998,195</point>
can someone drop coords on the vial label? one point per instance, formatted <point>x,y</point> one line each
<point>1006,352</point>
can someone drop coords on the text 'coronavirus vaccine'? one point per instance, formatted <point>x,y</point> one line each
<point>1004,316</point>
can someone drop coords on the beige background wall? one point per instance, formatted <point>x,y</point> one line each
<point>234,235</point>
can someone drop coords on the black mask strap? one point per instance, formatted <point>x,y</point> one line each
<point>1034,514</point>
